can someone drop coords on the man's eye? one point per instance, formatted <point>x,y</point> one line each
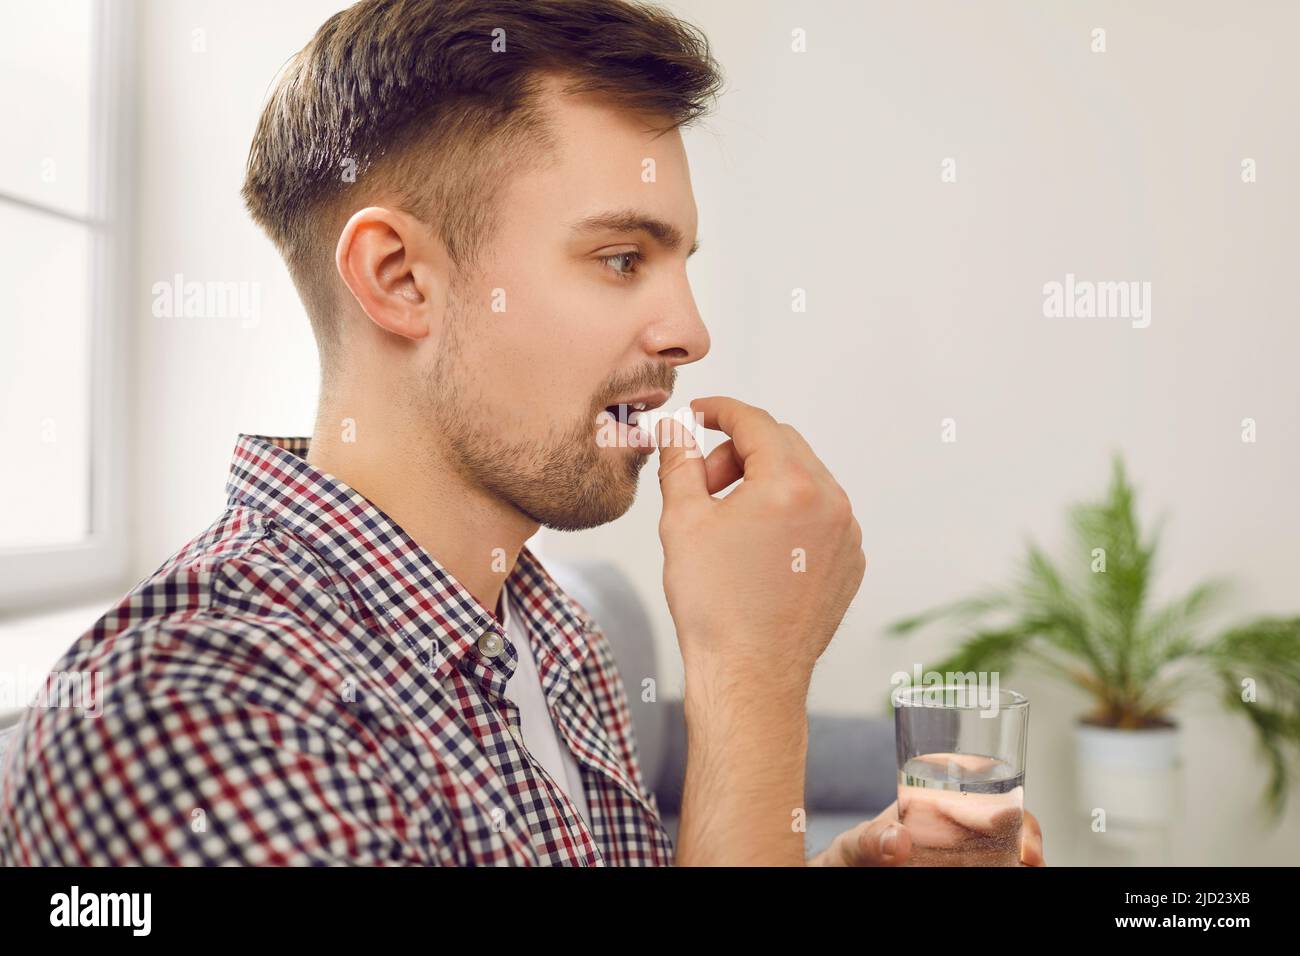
<point>633,258</point>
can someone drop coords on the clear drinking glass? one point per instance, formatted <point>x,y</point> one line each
<point>961,773</point>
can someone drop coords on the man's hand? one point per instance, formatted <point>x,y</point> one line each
<point>885,842</point>
<point>757,582</point>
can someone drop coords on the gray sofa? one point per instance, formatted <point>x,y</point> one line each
<point>851,765</point>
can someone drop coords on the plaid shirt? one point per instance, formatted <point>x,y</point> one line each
<point>304,684</point>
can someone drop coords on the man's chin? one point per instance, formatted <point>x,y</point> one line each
<point>590,504</point>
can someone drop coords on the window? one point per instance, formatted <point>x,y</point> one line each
<point>64,267</point>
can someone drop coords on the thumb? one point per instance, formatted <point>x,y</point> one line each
<point>879,842</point>
<point>682,476</point>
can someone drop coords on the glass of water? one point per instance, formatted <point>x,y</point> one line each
<point>961,773</point>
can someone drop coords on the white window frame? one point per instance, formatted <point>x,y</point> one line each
<point>50,576</point>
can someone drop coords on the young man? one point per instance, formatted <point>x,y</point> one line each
<point>486,208</point>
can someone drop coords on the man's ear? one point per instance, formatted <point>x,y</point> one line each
<point>385,258</point>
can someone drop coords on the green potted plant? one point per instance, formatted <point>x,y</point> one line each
<point>1091,620</point>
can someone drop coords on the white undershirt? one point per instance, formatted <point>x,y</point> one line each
<point>535,725</point>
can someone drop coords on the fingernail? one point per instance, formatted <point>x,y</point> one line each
<point>889,841</point>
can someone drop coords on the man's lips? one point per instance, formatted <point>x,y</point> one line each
<point>632,417</point>
<point>627,409</point>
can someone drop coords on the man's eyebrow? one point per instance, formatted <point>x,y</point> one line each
<point>629,220</point>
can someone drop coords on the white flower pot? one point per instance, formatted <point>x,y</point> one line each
<point>1134,776</point>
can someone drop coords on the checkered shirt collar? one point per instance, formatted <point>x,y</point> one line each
<point>403,585</point>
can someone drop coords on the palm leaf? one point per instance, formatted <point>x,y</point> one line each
<point>1168,634</point>
<point>956,610</point>
<point>1266,651</point>
<point>1119,592</point>
<point>1059,612</point>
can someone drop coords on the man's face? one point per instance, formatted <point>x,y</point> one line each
<point>593,315</point>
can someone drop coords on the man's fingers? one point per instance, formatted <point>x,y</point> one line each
<point>751,429</point>
<point>882,841</point>
<point>1031,842</point>
<point>682,474</point>
<point>723,466</point>
<point>886,842</point>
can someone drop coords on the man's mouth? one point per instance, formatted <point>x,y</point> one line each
<point>632,410</point>
<point>635,422</point>
<point>627,414</point>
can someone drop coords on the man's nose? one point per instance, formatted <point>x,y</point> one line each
<point>678,335</point>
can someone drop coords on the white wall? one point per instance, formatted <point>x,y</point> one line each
<point>822,171</point>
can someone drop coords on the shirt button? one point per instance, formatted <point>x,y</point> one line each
<point>491,644</point>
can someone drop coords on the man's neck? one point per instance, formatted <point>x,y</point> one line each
<point>472,534</point>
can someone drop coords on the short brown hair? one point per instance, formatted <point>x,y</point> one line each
<point>414,100</point>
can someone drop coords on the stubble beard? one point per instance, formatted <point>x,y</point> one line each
<point>560,478</point>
